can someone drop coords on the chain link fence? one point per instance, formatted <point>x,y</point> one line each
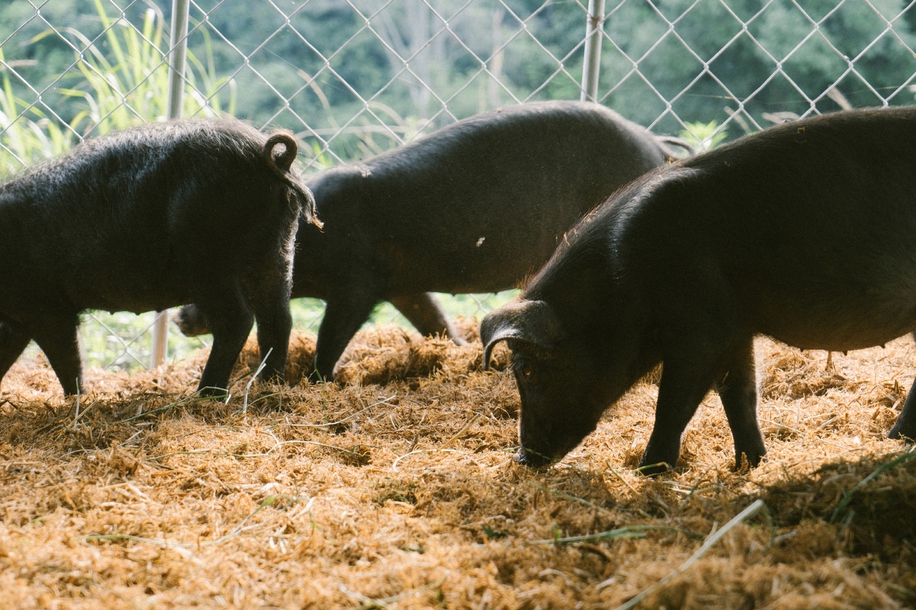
<point>353,78</point>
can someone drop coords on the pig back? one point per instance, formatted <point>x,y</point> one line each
<point>479,205</point>
<point>810,225</point>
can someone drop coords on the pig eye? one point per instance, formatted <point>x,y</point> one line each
<point>523,367</point>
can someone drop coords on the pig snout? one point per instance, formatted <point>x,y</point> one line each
<point>532,459</point>
<point>191,322</point>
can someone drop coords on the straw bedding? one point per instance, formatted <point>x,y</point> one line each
<point>394,487</point>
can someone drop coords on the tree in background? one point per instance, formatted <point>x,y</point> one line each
<point>708,58</point>
<point>354,78</point>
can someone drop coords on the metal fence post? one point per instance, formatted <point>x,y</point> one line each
<point>178,46</point>
<point>593,37</point>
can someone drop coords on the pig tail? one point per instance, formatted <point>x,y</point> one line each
<point>282,165</point>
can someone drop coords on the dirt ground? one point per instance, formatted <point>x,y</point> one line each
<point>395,487</point>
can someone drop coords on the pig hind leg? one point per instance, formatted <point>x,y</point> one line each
<point>14,338</point>
<point>738,393</point>
<point>424,313</point>
<point>270,304</point>
<point>905,427</point>
<point>231,319</point>
<point>343,316</point>
<point>57,338</point>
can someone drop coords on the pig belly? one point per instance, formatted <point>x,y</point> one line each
<point>136,293</point>
<point>489,265</point>
<point>848,284</point>
<point>839,323</point>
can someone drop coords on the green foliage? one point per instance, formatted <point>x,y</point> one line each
<point>120,83</point>
<point>129,84</point>
<point>704,136</point>
<point>707,58</point>
<point>336,64</point>
<point>28,139</point>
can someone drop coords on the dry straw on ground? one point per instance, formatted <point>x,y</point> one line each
<point>395,488</point>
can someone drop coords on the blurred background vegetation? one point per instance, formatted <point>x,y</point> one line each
<point>355,78</point>
<point>335,71</point>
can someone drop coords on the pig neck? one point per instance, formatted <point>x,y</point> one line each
<point>598,305</point>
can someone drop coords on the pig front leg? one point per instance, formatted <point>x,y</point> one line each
<point>697,351</point>
<point>680,392</point>
<point>13,340</point>
<point>231,319</point>
<point>424,313</point>
<point>738,393</point>
<point>343,316</point>
<point>905,426</point>
<point>57,338</point>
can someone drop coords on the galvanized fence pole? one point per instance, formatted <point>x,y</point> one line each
<point>593,37</point>
<point>178,46</point>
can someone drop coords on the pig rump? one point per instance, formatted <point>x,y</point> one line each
<point>150,218</point>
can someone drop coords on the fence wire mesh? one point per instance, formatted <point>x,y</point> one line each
<point>353,78</point>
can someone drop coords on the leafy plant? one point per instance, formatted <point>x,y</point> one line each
<point>704,136</point>
<point>121,83</point>
<point>129,84</point>
<point>26,133</point>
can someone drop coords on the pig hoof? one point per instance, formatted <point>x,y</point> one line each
<point>898,432</point>
<point>276,378</point>
<point>744,461</point>
<point>213,392</point>
<point>903,436</point>
<point>316,377</point>
<point>654,468</point>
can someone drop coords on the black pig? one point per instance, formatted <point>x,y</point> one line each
<point>473,207</point>
<point>150,218</point>
<point>803,232</point>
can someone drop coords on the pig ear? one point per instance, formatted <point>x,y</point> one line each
<point>533,322</point>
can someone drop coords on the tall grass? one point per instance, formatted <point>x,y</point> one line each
<point>128,84</point>
<point>119,81</point>
<point>27,134</point>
